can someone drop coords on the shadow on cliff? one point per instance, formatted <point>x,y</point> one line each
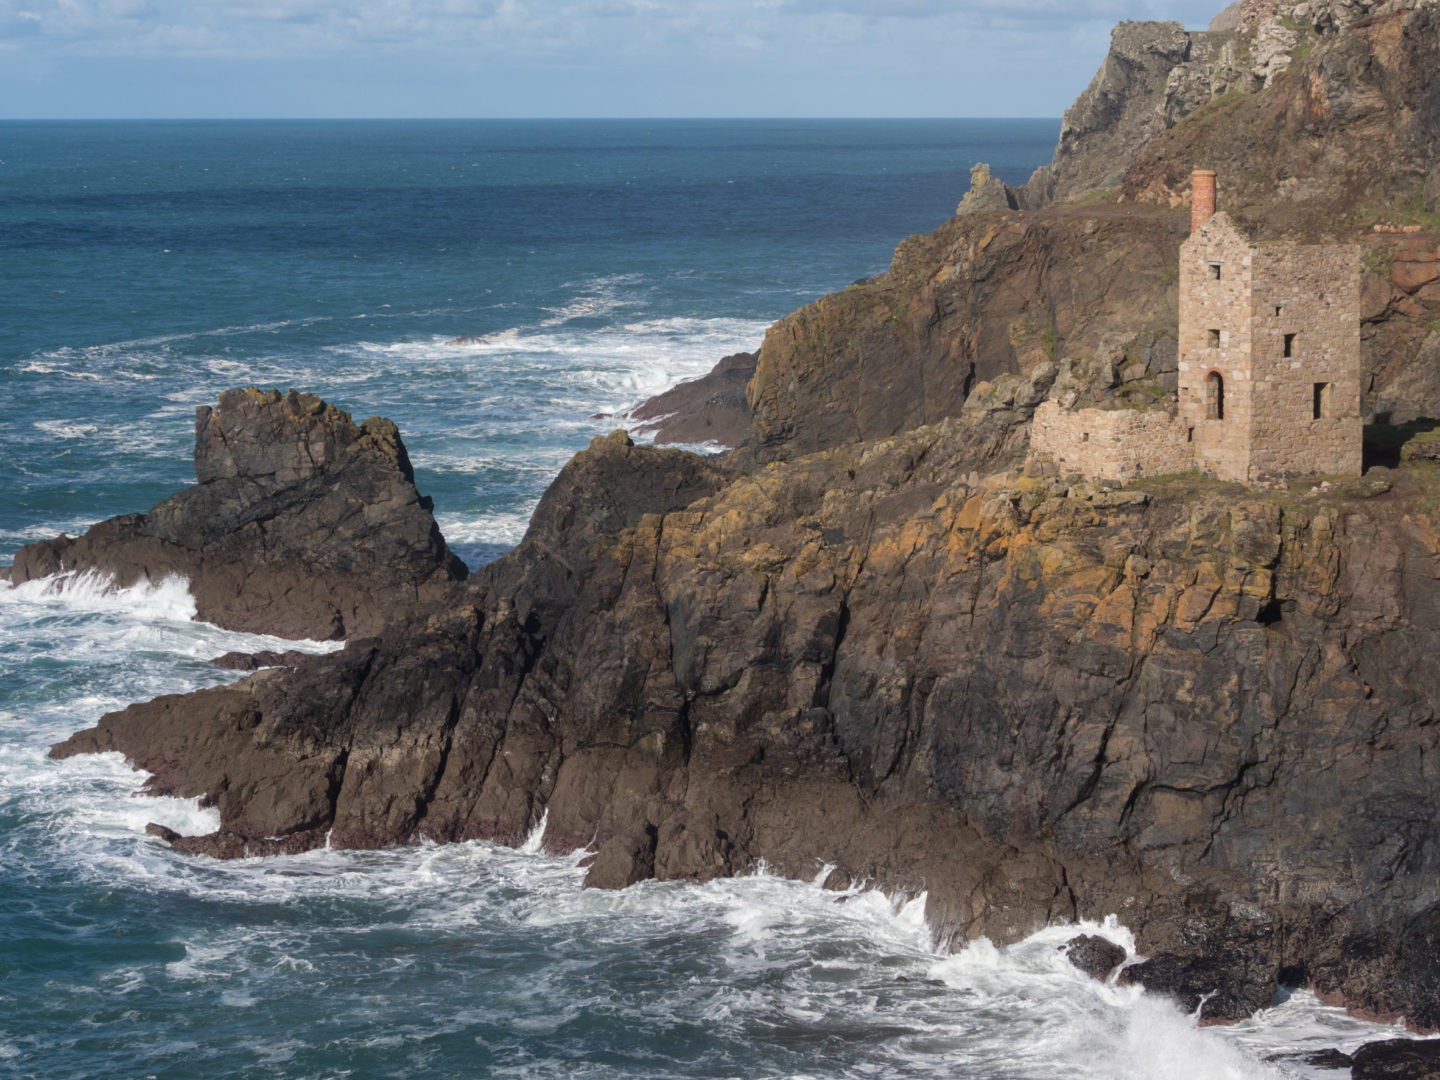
<point>1387,444</point>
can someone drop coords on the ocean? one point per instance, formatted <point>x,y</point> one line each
<point>145,267</point>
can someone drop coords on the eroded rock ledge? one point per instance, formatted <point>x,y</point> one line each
<point>1206,710</point>
<point>303,524</point>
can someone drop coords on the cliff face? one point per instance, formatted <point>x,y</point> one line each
<point>302,524</point>
<point>863,639</point>
<point>1344,134</point>
<point>982,296</point>
<point>1154,74</point>
<point>1327,102</point>
<point>1207,711</point>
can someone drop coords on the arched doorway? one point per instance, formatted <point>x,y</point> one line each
<point>1214,396</point>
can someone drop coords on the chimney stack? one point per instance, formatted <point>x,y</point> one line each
<point>1202,197</point>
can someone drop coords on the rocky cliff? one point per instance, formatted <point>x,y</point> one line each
<point>864,640</point>
<point>1209,711</point>
<point>1326,102</point>
<point>302,524</point>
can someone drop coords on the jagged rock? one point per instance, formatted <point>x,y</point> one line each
<point>303,524</point>
<point>1094,955</point>
<point>240,661</point>
<point>865,657</point>
<point>1397,1059</point>
<point>1228,19</point>
<point>1351,126</point>
<point>1329,1058</point>
<point>981,297</point>
<point>623,860</point>
<point>1126,104</point>
<point>863,639</point>
<point>987,192</point>
<point>710,409</point>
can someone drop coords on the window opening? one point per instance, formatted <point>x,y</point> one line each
<point>1214,396</point>
<point>1321,403</point>
<point>1289,345</point>
<point>1278,310</point>
<point>1213,338</point>
<point>1214,270</point>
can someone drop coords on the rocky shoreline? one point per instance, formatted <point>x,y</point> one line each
<point>864,638</point>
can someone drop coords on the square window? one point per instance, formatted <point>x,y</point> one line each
<point>1212,339</point>
<point>1214,271</point>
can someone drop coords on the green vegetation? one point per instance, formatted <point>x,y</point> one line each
<point>1049,336</point>
<point>1407,211</point>
<point>1096,198</point>
<point>1377,260</point>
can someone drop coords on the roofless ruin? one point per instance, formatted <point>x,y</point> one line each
<point>1269,368</point>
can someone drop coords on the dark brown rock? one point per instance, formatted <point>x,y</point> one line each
<point>984,296</point>
<point>711,409</point>
<point>859,640</point>
<point>239,661</point>
<point>303,524</point>
<point>1094,955</point>
<point>1397,1059</point>
<point>868,658</point>
<point>623,860</point>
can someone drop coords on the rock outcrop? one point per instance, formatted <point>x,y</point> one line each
<point>982,296</point>
<point>302,524</point>
<point>1343,133</point>
<point>1397,1059</point>
<point>1327,103</point>
<point>710,410</point>
<point>987,192</point>
<point>862,639</point>
<point>1154,74</point>
<point>1206,711</point>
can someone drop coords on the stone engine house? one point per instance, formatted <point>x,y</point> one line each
<point>1269,368</point>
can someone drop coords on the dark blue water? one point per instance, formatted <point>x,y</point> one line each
<point>144,267</point>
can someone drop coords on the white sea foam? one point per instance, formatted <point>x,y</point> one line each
<point>63,429</point>
<point>94,591</point>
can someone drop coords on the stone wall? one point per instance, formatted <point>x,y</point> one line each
<point>1208,304</point>
<point>1109,444</point>
<point>1310,295</point>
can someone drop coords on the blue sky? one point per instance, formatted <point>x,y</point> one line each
<point>562,58</point>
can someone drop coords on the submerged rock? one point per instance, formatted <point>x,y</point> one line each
<point>303,524</point>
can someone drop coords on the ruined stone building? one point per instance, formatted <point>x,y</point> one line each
<point>1269,368</point>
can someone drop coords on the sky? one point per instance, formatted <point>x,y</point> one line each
<point>557,58</point>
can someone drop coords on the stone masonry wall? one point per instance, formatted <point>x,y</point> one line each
<point>1222,446</point>
<point>1110,444</point>
<point>1313,293</point>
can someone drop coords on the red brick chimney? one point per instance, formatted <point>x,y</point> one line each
<point>1202,197</point>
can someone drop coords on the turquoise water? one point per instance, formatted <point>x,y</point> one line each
<point>146,267</point>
